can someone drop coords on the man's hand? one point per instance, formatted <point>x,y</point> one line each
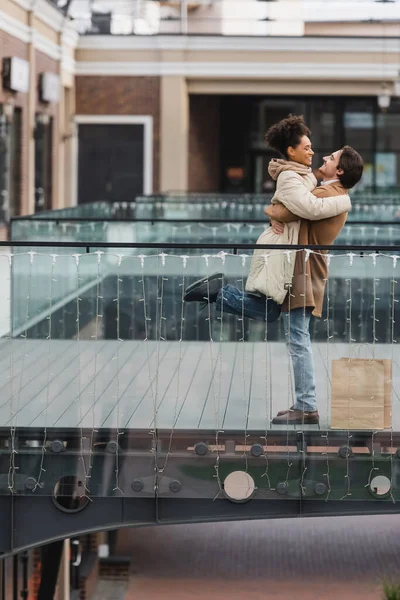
<point>277,227</point>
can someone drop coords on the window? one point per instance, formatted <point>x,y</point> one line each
<point>10,165</point>
<point>359,123</point>
<point>43,162</point>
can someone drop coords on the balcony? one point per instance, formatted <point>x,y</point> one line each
<point>219,17</point>
<point>122,404</point>
<point>81,314</point>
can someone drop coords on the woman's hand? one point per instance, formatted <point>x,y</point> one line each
<point>277,227</point>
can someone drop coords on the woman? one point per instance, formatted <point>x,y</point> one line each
<point>269,281</point>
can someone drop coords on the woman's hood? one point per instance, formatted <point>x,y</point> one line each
<point>277,165</point>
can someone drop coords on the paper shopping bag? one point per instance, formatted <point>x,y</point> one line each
<point>359,389</point>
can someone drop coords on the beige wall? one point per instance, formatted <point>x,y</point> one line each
<point>174,135</point>
<point>352,29</point>
<point>319,55</point>
<point>279,88</point>
<point>14,10</point>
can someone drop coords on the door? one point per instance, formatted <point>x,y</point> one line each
<point>110,162</point>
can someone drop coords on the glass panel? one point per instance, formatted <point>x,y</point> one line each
<point>388,128</point>
<point>86,222</point>
<point>106,344</point>
<point>388,171</point>
<point>366,230</point>
<point>139,299</point>
<point>322,121</point>
<point>359,123</point>
<point>44,281</point>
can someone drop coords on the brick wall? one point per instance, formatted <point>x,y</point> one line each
<point>35,574</point>
<point>119,95</point>
<point>10,46</point>
<point>204,150</point>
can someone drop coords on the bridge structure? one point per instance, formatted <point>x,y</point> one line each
<point>122,405</point>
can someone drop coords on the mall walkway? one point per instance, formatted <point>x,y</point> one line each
<point>306,559</point>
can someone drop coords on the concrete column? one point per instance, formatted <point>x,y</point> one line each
<point>64,577</point>
<point>174,142</point>
<point>70,166</point>
<point>29,207</point>
<point>57,199</point>
<point>61,150</point>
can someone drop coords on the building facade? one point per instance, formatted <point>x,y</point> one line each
<point>212,100</point>
<point>107,117</point>
<point>37,97</point>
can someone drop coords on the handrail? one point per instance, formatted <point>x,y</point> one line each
<point>201,246</point>
<point>59,220</point>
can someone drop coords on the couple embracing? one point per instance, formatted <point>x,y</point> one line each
<point>300,213</point>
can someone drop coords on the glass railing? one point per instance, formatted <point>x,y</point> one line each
<point>184,230</point>
<point>104,361</point>
<point>88,210</point>
<point>367,207</point>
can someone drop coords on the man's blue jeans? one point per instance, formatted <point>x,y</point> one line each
<point>298,342</point>
<point>297,331</point>
<point>239,303</point>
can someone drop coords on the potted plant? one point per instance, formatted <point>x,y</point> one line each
<point>391,591</point>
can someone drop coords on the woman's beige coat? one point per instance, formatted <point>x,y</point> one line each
<point>271,271</point>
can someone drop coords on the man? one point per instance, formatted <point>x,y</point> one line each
<point>340,172</point>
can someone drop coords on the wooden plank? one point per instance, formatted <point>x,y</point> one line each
<point>27,368</point>
<point>38,397</point>
<point>146,409</point>
<point>65,390</point>
<point>130,373</point>
<point>261,387</point>
<point>46,371</point>
<point>12,350</point>
<point>196,395</point>
<point>215,380</point>
<point>133,390</point>
<point>177,394</point>
<point>51,398</point>
<point>97,377</point>
<point>145,387</point>
<point>236,415</point>
<point>107,388</point>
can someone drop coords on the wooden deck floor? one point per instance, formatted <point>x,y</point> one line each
<point>138,384</point>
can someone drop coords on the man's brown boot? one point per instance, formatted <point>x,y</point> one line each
<point>297,417</point>
<point>283,412</point>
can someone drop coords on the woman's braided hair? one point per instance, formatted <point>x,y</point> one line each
<point>286,133</point>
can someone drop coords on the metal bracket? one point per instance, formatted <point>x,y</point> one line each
<point>20,483</point>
